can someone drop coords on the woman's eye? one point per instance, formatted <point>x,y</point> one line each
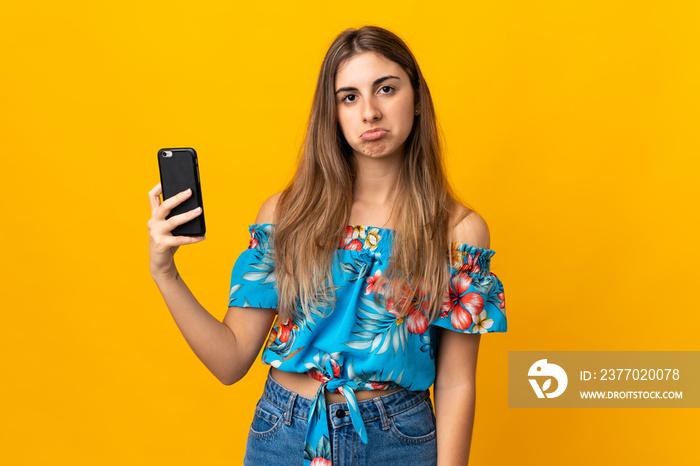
<point>387,89</point>
<point>344,99</point>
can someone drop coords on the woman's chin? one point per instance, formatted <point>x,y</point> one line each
<point>377,149</point>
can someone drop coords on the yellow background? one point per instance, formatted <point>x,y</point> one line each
<point>571,126</point>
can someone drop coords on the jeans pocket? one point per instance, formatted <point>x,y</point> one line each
<point>266,421</point>
<point>415,425</point>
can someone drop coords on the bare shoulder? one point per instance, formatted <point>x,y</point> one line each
<point>266,214</point>
<point>471,228</point>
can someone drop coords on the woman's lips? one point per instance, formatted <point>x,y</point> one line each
<point>373,134</point>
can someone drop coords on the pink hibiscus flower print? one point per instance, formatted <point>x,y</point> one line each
<point>415,318</point>
<point>317,375</point>
<point>471,264</point>
<point>286,329</point>
<point>459,304</point>
<point>253,243</point>
<point>354,245</point>
<point>318,461</point>
<point>372,282</point>
<point>335,368</point>
<point>347,237</point>
<point>350,241</point>
<point>417,321</point>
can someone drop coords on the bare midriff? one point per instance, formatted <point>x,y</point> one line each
<point>307,386</point>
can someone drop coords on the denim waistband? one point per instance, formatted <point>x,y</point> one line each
<point>379,407</point>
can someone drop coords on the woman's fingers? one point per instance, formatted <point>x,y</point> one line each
<point>167,205</point>
<point>162,243</point>
<point>160,210</point>
<point>154,198</point>
<point>157,224</point>
<point>179,219</point>
<point>165,227</point>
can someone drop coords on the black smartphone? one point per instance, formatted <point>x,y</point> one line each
<point>179,170</point>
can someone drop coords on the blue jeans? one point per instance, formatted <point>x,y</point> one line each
<point>400,427</point>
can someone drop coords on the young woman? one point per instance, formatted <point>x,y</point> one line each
<point>378,278</point>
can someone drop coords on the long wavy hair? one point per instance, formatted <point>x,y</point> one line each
<point>314,209</point>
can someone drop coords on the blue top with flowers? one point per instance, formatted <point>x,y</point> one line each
<point>360,343</point>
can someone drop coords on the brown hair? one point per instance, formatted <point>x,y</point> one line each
<point>314,209</point>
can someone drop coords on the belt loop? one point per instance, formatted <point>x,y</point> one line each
<point>382,413</point>
<point>290,409</point>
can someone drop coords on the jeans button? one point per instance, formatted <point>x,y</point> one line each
<point>340,413</point>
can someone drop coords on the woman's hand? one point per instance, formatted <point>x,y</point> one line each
<point>162,244</point>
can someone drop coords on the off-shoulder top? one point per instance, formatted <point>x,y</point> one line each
<point>357,343</point>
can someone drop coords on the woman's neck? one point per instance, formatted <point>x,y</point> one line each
<point>376,180</point>
<point>374,191</point>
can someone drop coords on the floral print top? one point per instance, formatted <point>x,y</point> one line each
<point>358,343</point>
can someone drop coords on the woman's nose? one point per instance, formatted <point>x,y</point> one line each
<point>371,112</point>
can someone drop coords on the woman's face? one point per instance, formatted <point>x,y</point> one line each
<point>374,93</point>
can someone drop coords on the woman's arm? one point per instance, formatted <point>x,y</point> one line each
<point>226,349</point>
<point>455,396</point>
<point>455,381</point>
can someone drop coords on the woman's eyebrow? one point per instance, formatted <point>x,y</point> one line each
<point>376,81</point>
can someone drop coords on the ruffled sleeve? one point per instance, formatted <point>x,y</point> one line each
<point>253,274</point>
<point>474,301</point>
